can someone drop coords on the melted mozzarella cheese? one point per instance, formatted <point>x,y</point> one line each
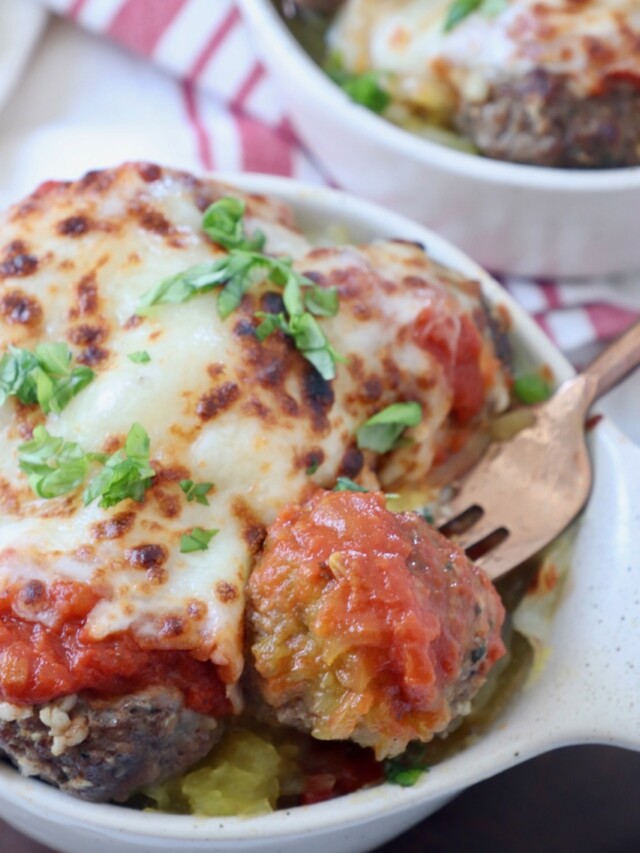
<point>218,405</point>
<point>587,41</point>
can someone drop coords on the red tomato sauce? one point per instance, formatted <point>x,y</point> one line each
<point>335,769</point>
<point>369,618</point>
<point>52,657</point>
<point>460,356</point>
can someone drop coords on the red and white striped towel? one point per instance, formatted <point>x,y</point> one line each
<point>238,123</point>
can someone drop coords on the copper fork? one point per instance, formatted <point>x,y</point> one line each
<point>525,491</point>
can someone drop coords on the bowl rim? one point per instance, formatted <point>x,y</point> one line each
<point>366,804</point>
<point>362,121</point>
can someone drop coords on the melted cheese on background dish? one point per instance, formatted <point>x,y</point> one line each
<point>252,417</point>
<point>590,42</point>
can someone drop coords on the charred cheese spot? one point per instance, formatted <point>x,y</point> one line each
<point>87,335</point>
<point>254,407</point>
<point>197,610</point>
<point>19,309</point>
<point>18,266</point>
<point>218,400</point>
<point>87,295</point>
<point>151,558</point>
<point>253,531</point>
<point>149,172</point>
<point>312,459</point>
<point>226,592</point>
<point>98,181</point>
<point>169,505</point>
<point>75,226</point>
<point>318,396</point>
<point>9,495</point>
<point>93,355</point>
<point>352,463</point>
<point>152,220</point>
<point>147,556</point>
<point>172,626</point>
<point>115,527</point>
<point>244,328</point>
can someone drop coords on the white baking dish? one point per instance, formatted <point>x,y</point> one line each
<point>585,692</point>
<point>527,220</point>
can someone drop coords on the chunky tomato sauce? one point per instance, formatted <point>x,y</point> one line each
<point>334,769</point>
<point>461,358</point>
<point>45,654</point>
<point>372,620</point>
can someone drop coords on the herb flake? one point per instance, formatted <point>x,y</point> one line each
<point>532,388</point>
<point>196,491</point>
<point>127,473</point>
<point>243,267</point>
<point>223,221</point>
<point>44,376</point>
<point>197,539</point>
<point>365,89</point>
<point>382,432</point>
<point>54,466</point>
<point>461,9</point>
<point>139,357</point>
<point>407,768</point>
<point>345,484</point>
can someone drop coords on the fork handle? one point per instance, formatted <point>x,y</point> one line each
<point>613,364</point>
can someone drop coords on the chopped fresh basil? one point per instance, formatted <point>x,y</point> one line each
<point>382,432</point>
<point>312,468</point>
<point>223,221</point>
<point>238,271</point>
<point>461,9</point>
<point>16,375</point>
<point>406,777</point>
<point>365,89</point>
<point>139,357</point>
<point>197,540</point>
<point>308,337</point>
<point>126,474</point>
<point>44,376</point>
<point>54,466</point>
<point>302,300</point>
<point>234,273</point>
<point>196,491</point>
<point>344,484</point>
<point>322,301</point>
<point>532,388</point>
<point>406,769</point>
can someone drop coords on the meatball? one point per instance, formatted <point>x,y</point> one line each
<point>368,625</point>
<point>105,749</point>
<point>537,119</point>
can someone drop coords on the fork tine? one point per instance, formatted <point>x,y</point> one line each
<point>478,532</point>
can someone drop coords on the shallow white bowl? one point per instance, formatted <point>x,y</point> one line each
<point>511,218</point>
<point>585,692</point>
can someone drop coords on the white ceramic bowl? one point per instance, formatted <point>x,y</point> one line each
<point>585,692</point>
<point>511,218</point>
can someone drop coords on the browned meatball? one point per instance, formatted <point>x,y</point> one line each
<point>538,119</point>
<point>105,749</point>
<point>368,625</point>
